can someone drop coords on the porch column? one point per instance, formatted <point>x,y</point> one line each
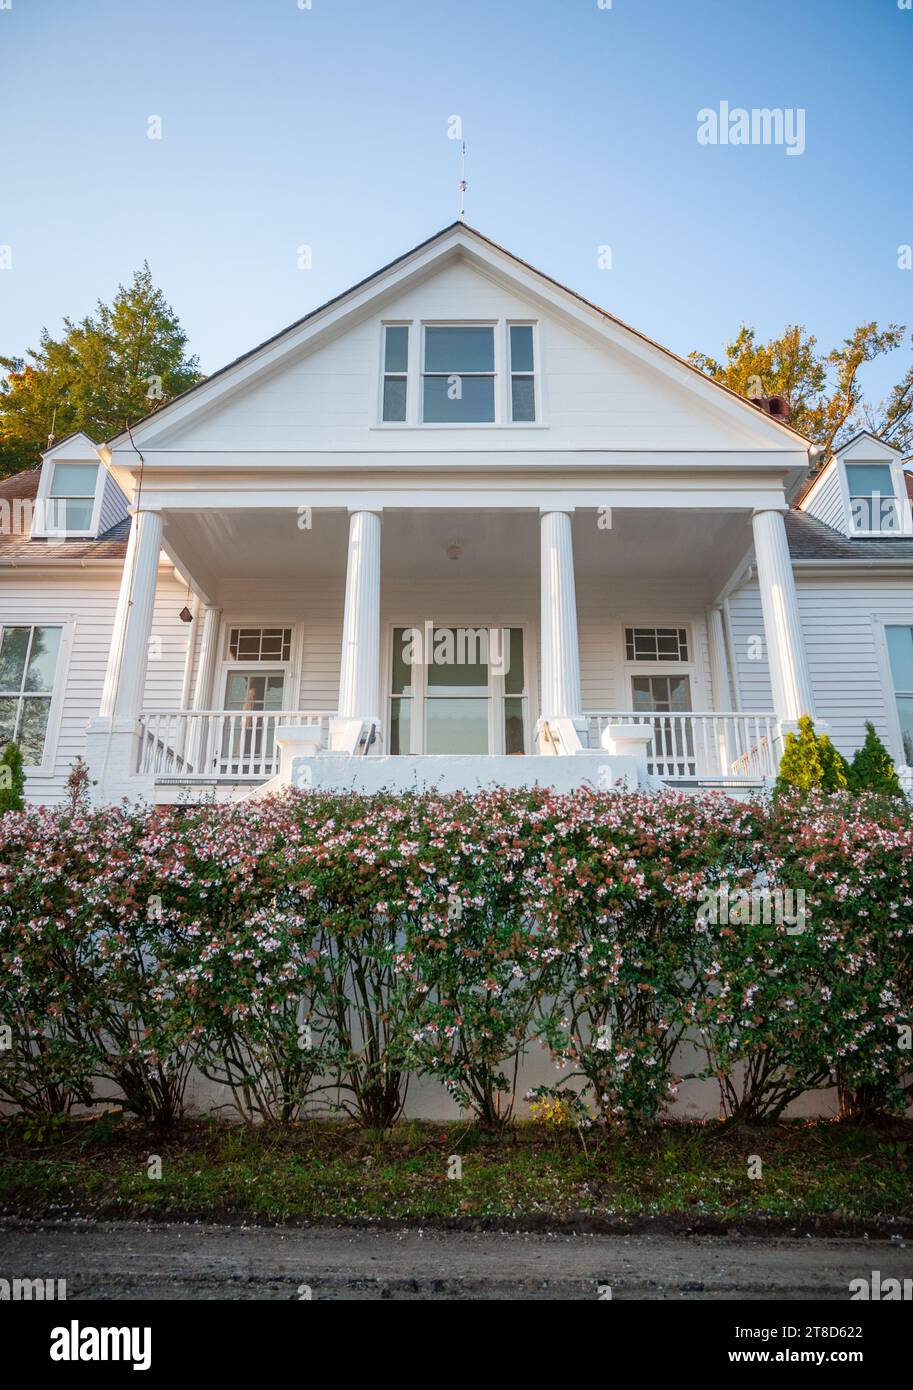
<point>560,695</point>
<point>719,665</point>
<point>789,674</point>
<point>359,675</point>
<point>113,739</point>
<point>198,749</point>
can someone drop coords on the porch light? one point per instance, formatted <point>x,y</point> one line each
<point>455,550</point>
<point>185,615</point>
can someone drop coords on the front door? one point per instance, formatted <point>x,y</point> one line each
<point>248,737</point>
<point>457,690</point>
<point>668,699</point>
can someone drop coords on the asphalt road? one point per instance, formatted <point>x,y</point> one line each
<point>130,1260</point>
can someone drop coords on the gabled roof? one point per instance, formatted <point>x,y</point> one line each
<point>471,237</point>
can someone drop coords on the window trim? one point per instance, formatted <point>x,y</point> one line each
<point>881,621</point>
<point>67,624</point>
<point>691,668</point>
<point>901,501</point>
<point>40,530</point>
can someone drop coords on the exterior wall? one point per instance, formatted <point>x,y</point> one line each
<point>591,392</point>
<point>114,506</point>
<point>842,619</point>
<point>826,500</point>
<point>85,605</point>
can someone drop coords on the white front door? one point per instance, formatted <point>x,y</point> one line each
<point>457,690</point>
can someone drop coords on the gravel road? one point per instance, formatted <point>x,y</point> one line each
<point>131,1260</point>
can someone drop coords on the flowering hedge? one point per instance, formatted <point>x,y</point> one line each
<point>319,950</point>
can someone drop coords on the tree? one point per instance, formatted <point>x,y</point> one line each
<point>109,369</point>
<point>811,760</point>
<point>872,768</point>
<point>823,389</point>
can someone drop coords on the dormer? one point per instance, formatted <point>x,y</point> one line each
<point>77,499</point>
<point>861,490</point>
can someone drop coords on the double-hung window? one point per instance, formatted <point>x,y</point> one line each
<point>28,665</point>
<point>900,651</point>
<point>873,505</point>
<point>396,372</point>
<point>522,374</point>
<point>70,503</point>
<point>458,374</point>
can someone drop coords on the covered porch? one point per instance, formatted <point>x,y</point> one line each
<point>449,645</point>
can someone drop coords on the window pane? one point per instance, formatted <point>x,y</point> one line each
<point>522,398</point>
<point>455,349</point>
<point>74,480</point>
<point>864,479</point>
<point>403,657</point>
<point>69,514</point>
<point>513,677</point>
<point>643,694</point>
<point>33,725</point>
<point>900,649</point>
<point>274,688</point>
<point>394,398</point>
<point>680,693</point>
<point>400,726</point>
<point>513,726</point>
<point>43,658</point>
<point>14,642</point>
<point>457,726</point>
<point>396,349</point>
<point>473,400</point>
<point>459,661</point>
<point>8,710</point>
<point>521,348</point>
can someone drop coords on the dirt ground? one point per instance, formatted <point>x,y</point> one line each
<point>133,1260</point>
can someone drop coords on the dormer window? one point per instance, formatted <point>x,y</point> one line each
<point>70,503</point>
<point>873,502</point>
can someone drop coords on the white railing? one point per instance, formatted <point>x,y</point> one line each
<point>703,745</point>
<point>231,745</point>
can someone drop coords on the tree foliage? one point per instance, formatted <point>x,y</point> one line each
<point>872,768</point>
<point>108,369</point>
<point>809,761</point>
<point>824,389</point>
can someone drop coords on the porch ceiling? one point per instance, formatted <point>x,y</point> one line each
<point>219,548</point>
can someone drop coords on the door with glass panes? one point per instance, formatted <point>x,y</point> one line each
<point>256,673</point>
<point>455,689</point>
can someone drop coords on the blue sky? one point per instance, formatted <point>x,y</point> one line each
<point>328,127</point>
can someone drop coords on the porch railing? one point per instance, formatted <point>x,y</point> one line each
<point>227,745</point>
<point>702,745</point>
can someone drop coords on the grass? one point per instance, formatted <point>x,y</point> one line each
<point>822,1176</point>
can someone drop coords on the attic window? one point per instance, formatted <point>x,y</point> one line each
<point>70,503</point>
<point>458,381</point>
<point>873,503</point>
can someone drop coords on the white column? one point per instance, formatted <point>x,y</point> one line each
<point>719,665</point>
<point>209,640</point>
<point>560,696</point>
<point>113,739</point>
<point>786,656</point>
<point>125,678</point>
<point>359,675</point>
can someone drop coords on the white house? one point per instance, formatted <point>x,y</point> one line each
<point>456,526</point>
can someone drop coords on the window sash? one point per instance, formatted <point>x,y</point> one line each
<point>656,644</point>
<point>20,705</point>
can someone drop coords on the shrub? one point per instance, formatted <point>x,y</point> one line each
<point>12,779</point>
<point>872,768</point>
<point>811,760</point>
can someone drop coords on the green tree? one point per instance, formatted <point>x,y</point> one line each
<point>811,760</point>
<point>107,370</point>
<point>823,389</point>
<point>872,768</point>
<point>12,779</point>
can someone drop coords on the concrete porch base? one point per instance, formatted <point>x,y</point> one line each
<point>462,772</point>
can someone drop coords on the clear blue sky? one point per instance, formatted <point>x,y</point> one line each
<point>328,126</point>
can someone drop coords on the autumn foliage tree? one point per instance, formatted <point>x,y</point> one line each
<point>109,368</point>
<point>824,389</point>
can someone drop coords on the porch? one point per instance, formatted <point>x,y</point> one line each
<point>445,646</point>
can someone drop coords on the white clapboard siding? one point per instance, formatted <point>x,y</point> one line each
<point>841,622</point>
<point>826,501</point>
